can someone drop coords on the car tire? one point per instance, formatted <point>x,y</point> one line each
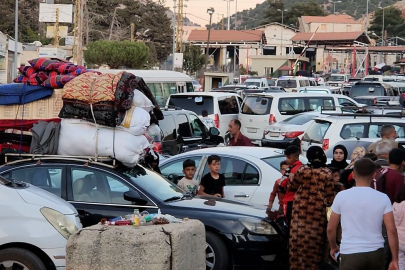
<point>22,257</point>
<point>217,257</point>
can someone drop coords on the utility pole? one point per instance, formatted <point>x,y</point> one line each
<point>236,14</point>
<point>132,32</point>
<point>56,30</point>
<point>228,10</point>
<point>179,28</point>
<point>14,73</point>
<point>75,25</point>
<point>210,11</point>
<point>174,33</point>
<point>80,34</point>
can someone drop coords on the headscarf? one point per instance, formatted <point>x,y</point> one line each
<point>339,164</point>
<point>358,153</point>
<point>316,157</point>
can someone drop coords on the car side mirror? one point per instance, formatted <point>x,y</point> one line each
<point>134,197</point>
<point>214,131</point>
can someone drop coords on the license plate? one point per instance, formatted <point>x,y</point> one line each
<point>251,130</point>
<point>274,134</point>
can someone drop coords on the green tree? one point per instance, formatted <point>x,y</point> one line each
<point>117,54</point>
<point>193,59</point>
<point>152,58</point>
<point>271,14</point>
<point>310,8</point>
<point>394,24</point>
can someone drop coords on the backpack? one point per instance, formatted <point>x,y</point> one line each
<point>379,182</point>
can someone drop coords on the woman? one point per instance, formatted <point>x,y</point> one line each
<point>346,176</point>
<point>399,215</point>
<point>339,158</point>
<point>314,188</point>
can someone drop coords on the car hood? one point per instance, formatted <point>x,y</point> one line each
<point>38,196</point>
<point>218,205</point>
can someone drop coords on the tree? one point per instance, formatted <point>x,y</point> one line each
<point>117,54</point>
<point>394,24</point>
<point>272,14</point>
<point>310,8</point>
<point>193,59</point>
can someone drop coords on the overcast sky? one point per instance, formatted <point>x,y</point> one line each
<point>197,9</point>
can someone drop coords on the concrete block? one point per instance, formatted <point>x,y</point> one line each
<point>177,246</point>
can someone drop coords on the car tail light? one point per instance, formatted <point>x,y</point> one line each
<point>216,120</point>
<point>157,147</point>
<point>325,144</point>
<point>293,134</point>
<point>272,119</point>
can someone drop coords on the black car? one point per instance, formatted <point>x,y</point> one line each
<point>373,100</point>
<point>238,235</point>
<point>364,88</point>
<point>182,131</point>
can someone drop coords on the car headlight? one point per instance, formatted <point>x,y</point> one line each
<point>59,221</point>
<point>258,226</point>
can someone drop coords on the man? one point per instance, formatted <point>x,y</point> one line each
<point>237,139</point>
<point>382,151</point>
<point>388,133</point>
<point>362,212</point>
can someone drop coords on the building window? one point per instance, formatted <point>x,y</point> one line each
<point>348,28</point>
<point>323,26</point>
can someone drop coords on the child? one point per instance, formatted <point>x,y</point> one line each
<point>283,167</point>
<point>399,215</point>
<point>208,122</point>
<point>338,187</point>
<point>212,184</point>
<point>188,183</point>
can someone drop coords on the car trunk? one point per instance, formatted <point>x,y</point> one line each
<point>315,135</point>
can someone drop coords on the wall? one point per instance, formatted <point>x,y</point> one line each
<point>3,58</point>
<point>274,33</point>
<point>339,27</point>
<point>262,62</point>
<point>244,51</point>
<point>28,55</point>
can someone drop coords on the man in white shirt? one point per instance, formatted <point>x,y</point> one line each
<point>208,122</point>
<point>362,211</point>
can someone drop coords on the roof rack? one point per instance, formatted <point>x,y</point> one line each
<point>366,111</point>
<point>13,158</point>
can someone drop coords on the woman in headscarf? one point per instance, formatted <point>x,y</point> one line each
<point>346,176</point>
<point>339,157</point>
<point>314,188</point>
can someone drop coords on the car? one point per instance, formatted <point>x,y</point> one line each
<point>338,79</point>
<point>239,235</point>
<point>289,131</point>
<point>222,107</point>
<point>292,83</point>
<point>261,110</point>
<point>250,172</point>
<point>182,131</point>
<point>373,100</point>
<point>320,89</point>
<point>197,86</point>
<point>327,130</point>
<point>260,82</point>
<point>364,88</point>
<point>36,226</point>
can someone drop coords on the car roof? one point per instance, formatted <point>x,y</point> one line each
<point>293,77</point>
<point>358,118</point>
<point>176,111</point>
<point>212,94</point>
<point>296,95</point>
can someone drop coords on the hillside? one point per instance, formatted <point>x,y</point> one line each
<point>253,17</point>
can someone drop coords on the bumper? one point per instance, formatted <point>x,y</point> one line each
<point>282,144</point>
<point>57,255</point>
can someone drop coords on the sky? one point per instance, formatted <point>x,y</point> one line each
<point>197,9</point>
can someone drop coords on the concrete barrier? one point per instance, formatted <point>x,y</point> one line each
<point>177,246</point>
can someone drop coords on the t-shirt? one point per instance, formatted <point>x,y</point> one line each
<point>188,185</point>
<point>361,210</point>
<point>240,141</point>
<point>213,186</point>
<point>289,195</point>
<point>393,182</point>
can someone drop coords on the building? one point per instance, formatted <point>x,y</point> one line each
<point>7,50</point>
<point>330,23</point>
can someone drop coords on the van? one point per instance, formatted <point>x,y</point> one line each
<point>338,79</point>
<point>222,107</point>
<point>261,110</point>
<point>292,83</point>
<point>259,82</point>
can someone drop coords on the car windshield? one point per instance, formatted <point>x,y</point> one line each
<point>257,105</point>
<point>350,146</point>
<point>255,83</point>
<point>299,119</point>
<point>366,90</point>
<point>193,103</point>
<point>287,83</point>
<point>153,183</point>
<point>338,78</point>
<point>271,82</point>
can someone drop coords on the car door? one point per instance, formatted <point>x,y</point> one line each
<point>173,170</point>
<point>242,178</point>
<point>98,194</point>
<point>187,135</point>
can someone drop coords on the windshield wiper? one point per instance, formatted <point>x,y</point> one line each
<point>175,198</point>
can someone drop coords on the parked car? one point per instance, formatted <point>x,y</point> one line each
<point>182,131</point>
<point>373,100</point>
<point>261,110</point>
<point>36,226</point>
<point>238,235</point>
<point>327,130</point>
<point>376,89</point>
<point>260,82</point>
<point>221,107</point>
<point>321,90</point>
<point>338,79</point>
<point>289,131</point>
<point>250,172</point>
<point>197,86</point>
<point>292,83</point>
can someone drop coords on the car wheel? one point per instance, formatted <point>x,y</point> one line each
<point>216,253</point>
<point>18,258</point>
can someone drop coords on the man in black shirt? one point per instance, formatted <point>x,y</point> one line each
<point>212,184</point>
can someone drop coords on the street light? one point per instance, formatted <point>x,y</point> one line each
<point>282,28</point>
<point>210,11</point>
<point>334,11</point>
<point>383,26</point>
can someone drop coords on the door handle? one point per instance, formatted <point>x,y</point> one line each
<point>241,196</point>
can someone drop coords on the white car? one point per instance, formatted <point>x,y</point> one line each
<point>197,86</point>
<point>250,172</point>
<point>320,90</point>
<point>292,83</point>
<point>35,228</point>
<point>327,130</point>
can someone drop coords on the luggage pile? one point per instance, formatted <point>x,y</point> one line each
<point>100,114</point>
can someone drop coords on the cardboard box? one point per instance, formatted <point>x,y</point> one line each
<point>39,109</point>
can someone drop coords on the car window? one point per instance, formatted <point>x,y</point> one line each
<point>319,104</point>
<point>257,105</point>
<point>47,178</point>
<point>157,91</point>
<point>275,161</point>
<point>353,131</point>
<point>251,176</point>
<point>345,102</point>
<point>299,119</point>
<point>193,103</point>
<point>316,132</point>
<point>287,83</point>
<point>233,170</point>
<point>174,170</point>
<point>183,128</point>
<point>375,130</point>
<point>290,106</point>
<point>367,90</point>
<point>228,105</point>
<point>197,127</point>
<point>168,127</point>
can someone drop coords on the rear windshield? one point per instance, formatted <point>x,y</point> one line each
<point>316,132</point>
<point>193,103</point>
<point>338,78</point>
<point>254,83</point>
<point>366,90</point>
<point>371,79</point>
<point>257,105</point>
<point>299,119</point>
<point>287,83</point>
<point>228,105</point>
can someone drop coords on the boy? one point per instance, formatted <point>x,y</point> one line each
<point>292,154</point>
<point>338,187</point>
<point>212,184</point>
<point>208,122</point>
<point>362,211</point>
<point>283,167</point>
<point>188,183</point>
